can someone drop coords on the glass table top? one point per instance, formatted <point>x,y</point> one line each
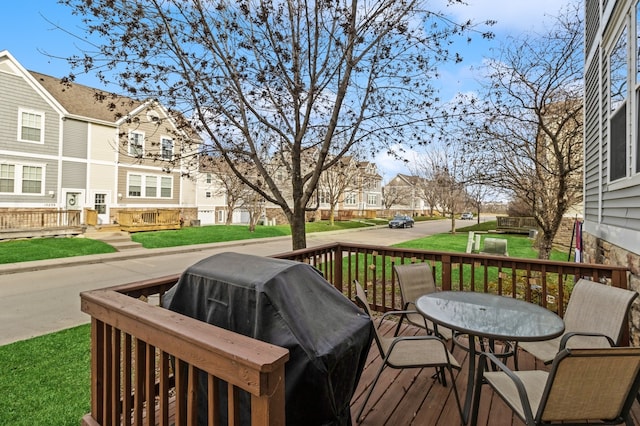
<point>489,315</point>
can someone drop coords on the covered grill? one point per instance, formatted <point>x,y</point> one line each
<point>288,304</point>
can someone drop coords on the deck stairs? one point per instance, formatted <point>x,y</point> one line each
<point>120,240</point>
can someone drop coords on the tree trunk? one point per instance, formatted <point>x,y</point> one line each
<point>545,244</point>
<point>229,216</point>
<point>453,224</point>
<point>298,231</point>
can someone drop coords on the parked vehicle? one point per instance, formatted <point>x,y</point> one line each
<point>466,216</point>
<point>401,221</point>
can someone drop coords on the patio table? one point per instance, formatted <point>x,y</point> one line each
<point>482,315</point>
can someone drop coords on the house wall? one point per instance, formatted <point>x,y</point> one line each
<point>611,233</point>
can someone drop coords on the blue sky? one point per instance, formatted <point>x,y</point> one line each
<point>27,35</point>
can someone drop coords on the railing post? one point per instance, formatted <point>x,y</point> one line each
<point>446,272</point>
<point>337,267</point>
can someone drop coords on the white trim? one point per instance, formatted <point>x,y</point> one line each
<point>622,237</point>
<point>41,114</point>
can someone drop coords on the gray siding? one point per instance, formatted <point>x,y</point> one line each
<point>16,94</point>
<point>74,175</point>
<point>50,182</point>
<point>592,144</point>
<point>75,137</point>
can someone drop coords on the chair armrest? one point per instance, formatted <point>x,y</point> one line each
<point>397,341</point>
<point>396,313</point>
<point>522,392</point>
<point>566,337</point>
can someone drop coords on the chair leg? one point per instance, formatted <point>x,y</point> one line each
<point>370,391</point>
<point>455,392</point>
<point>402,317</point>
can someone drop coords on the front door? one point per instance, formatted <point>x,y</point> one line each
<point>101,207</point>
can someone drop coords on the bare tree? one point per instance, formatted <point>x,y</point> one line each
<point>524,130</point>
<point>441,171</point>
<point>392,194</point>
<point>336,180</point>
<point>267,81</point>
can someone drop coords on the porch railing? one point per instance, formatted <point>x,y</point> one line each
<point>148,220</point>
<point>37,219</point>
<point>133,342</point>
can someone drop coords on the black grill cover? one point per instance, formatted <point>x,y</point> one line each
<point>288,304</point>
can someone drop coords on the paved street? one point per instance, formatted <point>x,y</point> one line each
<point>42,297</point>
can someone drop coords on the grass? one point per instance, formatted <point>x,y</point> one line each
<point>46,380</point>
<point>50,248</point>
<point>54,248</point>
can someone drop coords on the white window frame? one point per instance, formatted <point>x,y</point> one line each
<point>350,199</point>
<point>21,112</point>
<point>164,139</point>
<point>131,147</point>
<point>18,178</point>
<point>372,199</point>
<point>146,180</point>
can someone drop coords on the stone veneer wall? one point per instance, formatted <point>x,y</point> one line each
<point>596,250</point>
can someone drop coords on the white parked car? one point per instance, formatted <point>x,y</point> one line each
<point>466,216</point>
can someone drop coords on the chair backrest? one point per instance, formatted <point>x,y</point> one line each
<point>361,298</point>
<point>415,279</point>
<point>591,384</point>
<point>598,308</point>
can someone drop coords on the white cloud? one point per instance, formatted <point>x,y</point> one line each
<point>511,15</point>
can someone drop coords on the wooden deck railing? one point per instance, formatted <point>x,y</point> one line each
<point>134,342</point>
<point>515,224</point>
<point>147,362</point>
<point>148,220</point>
<point>37,219</point>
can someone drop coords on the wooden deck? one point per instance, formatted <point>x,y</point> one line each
<point>413,397</point>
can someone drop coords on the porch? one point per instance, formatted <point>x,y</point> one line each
<point>27,223</point>
<point>133,340</point>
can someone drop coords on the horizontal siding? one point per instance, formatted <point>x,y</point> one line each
<point>50,181</point>
<point>592,142</point>
<point>122,187</point>
<point>16,94</point>
<point>75,137</point>
<point>74,175</point>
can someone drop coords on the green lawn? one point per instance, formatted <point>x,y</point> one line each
<point>50,248</point>
<point>46,380</point>
<point>54,248</point>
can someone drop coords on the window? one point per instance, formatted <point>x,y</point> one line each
<point>30,126</point>
<point>152,186</point>
<point>220,216</point>
<point>350,199</point>
<point>167,148</point>
<point>21,179</point>
<point>135,185</point>
<point>372,199</point>
<point>7,177</point>
<point>209,178</point>
<point>618,108</point>
<point>31,180</point>
<point>207,194</point>
<point>100,203</point>
<point>165,189</point>
<point>136,140</point>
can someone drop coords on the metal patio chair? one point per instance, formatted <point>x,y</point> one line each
<point>596,316</point>
<point>415,280</point>
<point>408,352</point>
<point>584,386</point>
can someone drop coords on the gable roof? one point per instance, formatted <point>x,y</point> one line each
<point>85,101</point>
